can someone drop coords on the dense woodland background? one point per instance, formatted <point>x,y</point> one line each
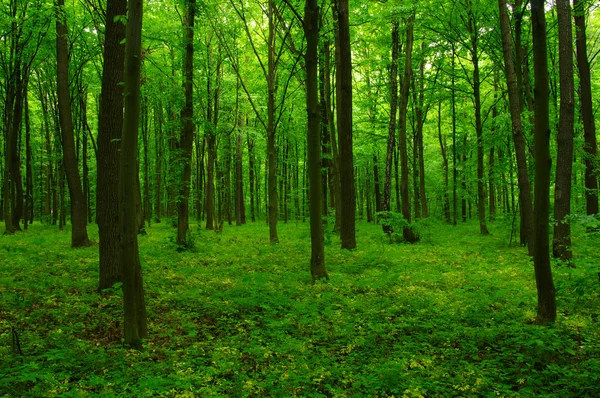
<point>410,116</point>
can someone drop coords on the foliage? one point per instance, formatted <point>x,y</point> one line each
<point>239,317</point>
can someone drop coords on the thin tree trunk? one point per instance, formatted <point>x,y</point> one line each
<point>271,149</point>
<point>443,146</point>
<point>391,140</point>
<point>561,243</point>
<point>135,322</point>
<point>344,122</point>
<point>407,231</point>
<point>587,109</point>
<point>79,236</point>
<point>474,32</point>
<point>546,311</point>
<point>518,137</point>
<point>311,32</point>
<point>186,139</point>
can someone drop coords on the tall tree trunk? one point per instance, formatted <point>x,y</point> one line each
<point>407,231</point>
<point>546,311</point>
<point>79,236</point>
<point>517,129</point>
<point>15,166</point>
<point>344,122</point>
<point>454,155</point>
<point>147,202</point>
<point>334,170</point>
<point>28,211</point>
<point>561,243</point>
<point>376,184</point>
<point>311,32</point>
<point>110,124</point>
<point>271,149</point>
<point>391,140</point>
<point>251,177</point>
<point>587,109</point>
<point>443,147</point>
<point>135,324</point>
<point>159,149</point>
<point>421,115</point>
<point>186,139</point>
<point>474,32</point>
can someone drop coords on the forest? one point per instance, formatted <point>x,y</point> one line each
<point>299,198</point>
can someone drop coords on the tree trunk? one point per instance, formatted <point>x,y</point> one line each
<point>443,146</point>
<point>546,311</point>
<point>561,243</point>
<point>159,149</point>
<point>251,172</point>
<point>474,32</point>
<point>271,149</point>
<point>407,231</point>
<point>518,137</point>
<point>110,124</point>
<point>311,32</point>
<point>391,140</point>
<point>344,124</point>
<point>587,109</point>
<point>79,236</point>
<point>334,170</point>
<point>186,139</point>
<point>135,323</point>
<point>28,210</point>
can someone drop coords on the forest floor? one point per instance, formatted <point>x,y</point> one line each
<point>448,316</point>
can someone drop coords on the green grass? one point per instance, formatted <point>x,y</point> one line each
<point>449,316</point>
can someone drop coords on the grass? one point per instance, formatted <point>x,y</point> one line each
<point>449,316</point>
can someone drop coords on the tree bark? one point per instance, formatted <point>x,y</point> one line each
<point>79,236</point>
<point>407,231</point>
<point>311,32</point>
<point>517,129</point>
<point>344,124</point>
<point>271,148</point>
<point>587,109</point>
<point>546,311</point>
<point>135,322</point>
<point>561,243</point>
<point>110,124</point>
<point>186,139</point>
<point>474,32</point>
<point>391,140</point>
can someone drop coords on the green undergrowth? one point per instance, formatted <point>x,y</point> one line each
<point>235,316</point>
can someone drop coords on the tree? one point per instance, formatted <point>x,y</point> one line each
<point>110,125</point>
<point>311,31</point>
<point>391,140</point>
<point>79,236</point>
<point>587,108</point>
<point>561,243</point>
<point>344,126</point>
<point>407,230</point>
<point>517,128</point>
<point>135,324</point>
<point>546,311</point>
<point>186,141</point>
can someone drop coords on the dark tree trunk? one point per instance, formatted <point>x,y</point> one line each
<point>546,311</point>
<point>517,129</point>
<point>376,183</point>
<point>474,32</point>
<point>251,177</point>
<point>454,154</point>
<point>135,324</point>
<point>344,122</point>
<point>15,156</point>
<point>159,149</point>
<point>28,210</point>
<point>391,140</point>
<point>334,170</point>
<point>147,201</point>
<point>443,147</point>
<point>587,109</point>
<point>407,231</point>
<point>79,236</point>
<point>186,139</point>
<point>271,149</point>
<point>561,243</point>
<point>311,32</point>
<point>110,124</point>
